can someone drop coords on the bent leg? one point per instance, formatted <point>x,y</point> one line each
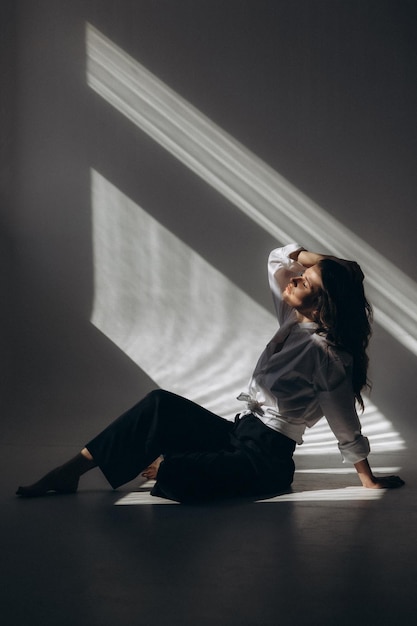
<point>161,423</point>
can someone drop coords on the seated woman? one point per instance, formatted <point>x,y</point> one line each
<point>316,364</point>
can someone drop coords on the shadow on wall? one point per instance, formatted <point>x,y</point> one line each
<point>63,365</point>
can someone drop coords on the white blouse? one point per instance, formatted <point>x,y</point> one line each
<point>300,377</point>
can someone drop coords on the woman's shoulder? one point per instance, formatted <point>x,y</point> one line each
<point>332,362</point>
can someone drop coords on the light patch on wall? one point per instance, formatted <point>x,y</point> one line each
<point>186,325</point>
<point>180,320</point>
<point>246,181</point>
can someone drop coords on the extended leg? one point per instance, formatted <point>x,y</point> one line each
<point>161,422</point>
<point>205,456</point>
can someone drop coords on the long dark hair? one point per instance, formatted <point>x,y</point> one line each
<point>344,315</point>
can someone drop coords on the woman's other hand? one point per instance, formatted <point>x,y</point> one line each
<point>370,481</point>
<point>385,482</point>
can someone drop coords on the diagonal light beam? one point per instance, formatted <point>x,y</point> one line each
<point>245,180</point>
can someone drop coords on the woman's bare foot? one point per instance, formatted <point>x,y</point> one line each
<point>53,481</point>
<point>63,479</point>
<point>151,471</point>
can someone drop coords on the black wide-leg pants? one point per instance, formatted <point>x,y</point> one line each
<point>205,456</point>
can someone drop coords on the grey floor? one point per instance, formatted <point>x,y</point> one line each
<point>320,556</point>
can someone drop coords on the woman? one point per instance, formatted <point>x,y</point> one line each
<point>315,365</point>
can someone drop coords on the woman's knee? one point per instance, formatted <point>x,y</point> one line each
<point>160,403</point>
<point>158,396</point>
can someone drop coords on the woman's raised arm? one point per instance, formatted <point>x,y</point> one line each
<point>306,258</point>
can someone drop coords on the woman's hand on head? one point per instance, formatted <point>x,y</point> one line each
<point>308,259</point>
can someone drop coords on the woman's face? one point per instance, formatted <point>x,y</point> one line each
<point>302,291</point>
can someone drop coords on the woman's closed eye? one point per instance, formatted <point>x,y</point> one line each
<point>297,280</point>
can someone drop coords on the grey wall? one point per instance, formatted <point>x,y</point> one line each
<point>324,91</point>
<point>7,153</point>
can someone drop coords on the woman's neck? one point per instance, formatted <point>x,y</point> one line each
<point>301,318</point>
